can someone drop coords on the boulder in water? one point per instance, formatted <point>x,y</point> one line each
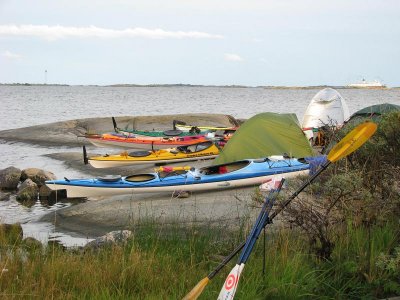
<point>38,176</point>
<point>27,191</point>
<point>4,196</point>
<point>9,178</point>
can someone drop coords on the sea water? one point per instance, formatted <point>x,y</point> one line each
<point>23,106</point>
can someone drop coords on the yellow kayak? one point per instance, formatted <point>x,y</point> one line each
<point>203,150</point>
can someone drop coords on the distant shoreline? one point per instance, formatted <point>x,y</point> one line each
<point>206,86</point>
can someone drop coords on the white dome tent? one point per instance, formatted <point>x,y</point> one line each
<point>327,107</point>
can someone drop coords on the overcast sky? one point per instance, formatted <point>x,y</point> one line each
<point>217,42</point>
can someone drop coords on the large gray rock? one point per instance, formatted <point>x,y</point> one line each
<point>9,178</point>
<point>111,238</point>
<point>224,208</point>
<point>27,191</point>
<point>38,176</point>
<point>68,132</point>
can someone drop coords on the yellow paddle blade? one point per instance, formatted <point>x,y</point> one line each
<point>352,141</point>
<point>197,290</point>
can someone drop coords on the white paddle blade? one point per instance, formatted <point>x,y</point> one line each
<point>229,289</point>
<point>271,184</point>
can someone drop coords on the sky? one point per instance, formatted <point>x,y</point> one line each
<point>209,42</point>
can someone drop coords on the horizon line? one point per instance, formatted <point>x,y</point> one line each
<point>196,85</point>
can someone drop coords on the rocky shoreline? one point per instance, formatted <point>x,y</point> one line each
<point>70,133</point>
<point>27,183</point>
<point>96,217</point>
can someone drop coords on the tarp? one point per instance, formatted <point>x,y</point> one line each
<point>264,135</point>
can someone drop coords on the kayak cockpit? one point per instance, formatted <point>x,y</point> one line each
<point>225,168</point>
<point>195,147</point>
<point>140,177</point>
<point>108,178</point>
<point>139,153</point>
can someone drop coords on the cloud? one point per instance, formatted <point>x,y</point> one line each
<point>232,57</point>
<point>58,32</point>
<point>10,55</point>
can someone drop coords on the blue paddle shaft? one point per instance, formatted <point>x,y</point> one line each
<point>253,240</point>
<point>259,224</point>
<point>256,224</point>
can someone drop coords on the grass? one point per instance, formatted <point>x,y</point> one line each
<point>167,263</point>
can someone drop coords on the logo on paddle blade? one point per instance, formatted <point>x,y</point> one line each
<point>230,282</point>
<point>229,288</point>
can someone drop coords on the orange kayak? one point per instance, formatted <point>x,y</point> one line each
<point>156,143</point>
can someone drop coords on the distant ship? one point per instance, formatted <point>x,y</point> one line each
<point>368,84</point>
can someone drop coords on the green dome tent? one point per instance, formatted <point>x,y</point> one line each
<point>371,113</point>
<point>374,111</point>
<point>264,135</point>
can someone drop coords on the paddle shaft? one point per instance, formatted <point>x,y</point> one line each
<point>85,157</point>
<point>229,287</point>
<point>230,256</point>
<point>247,251</point>
<point>226,260</point>
<point>268,220</point>
<point>295,194</point>
<point>259,224</point>
<point>115,124</point>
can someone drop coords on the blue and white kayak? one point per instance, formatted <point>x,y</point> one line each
<point>250,172</point>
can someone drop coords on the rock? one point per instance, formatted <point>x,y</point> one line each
<point>66,132</point>
<point>50,196</point>
<point>181,194</point>
<point>9,178</point>
<point>38,176</point>
<point>32,243</point>
<point>44,192</point>
<point>11,232</point>
<point>4,196</point>
<point>54,244</point>
<point>111,238</point>
<point>27,191</point>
